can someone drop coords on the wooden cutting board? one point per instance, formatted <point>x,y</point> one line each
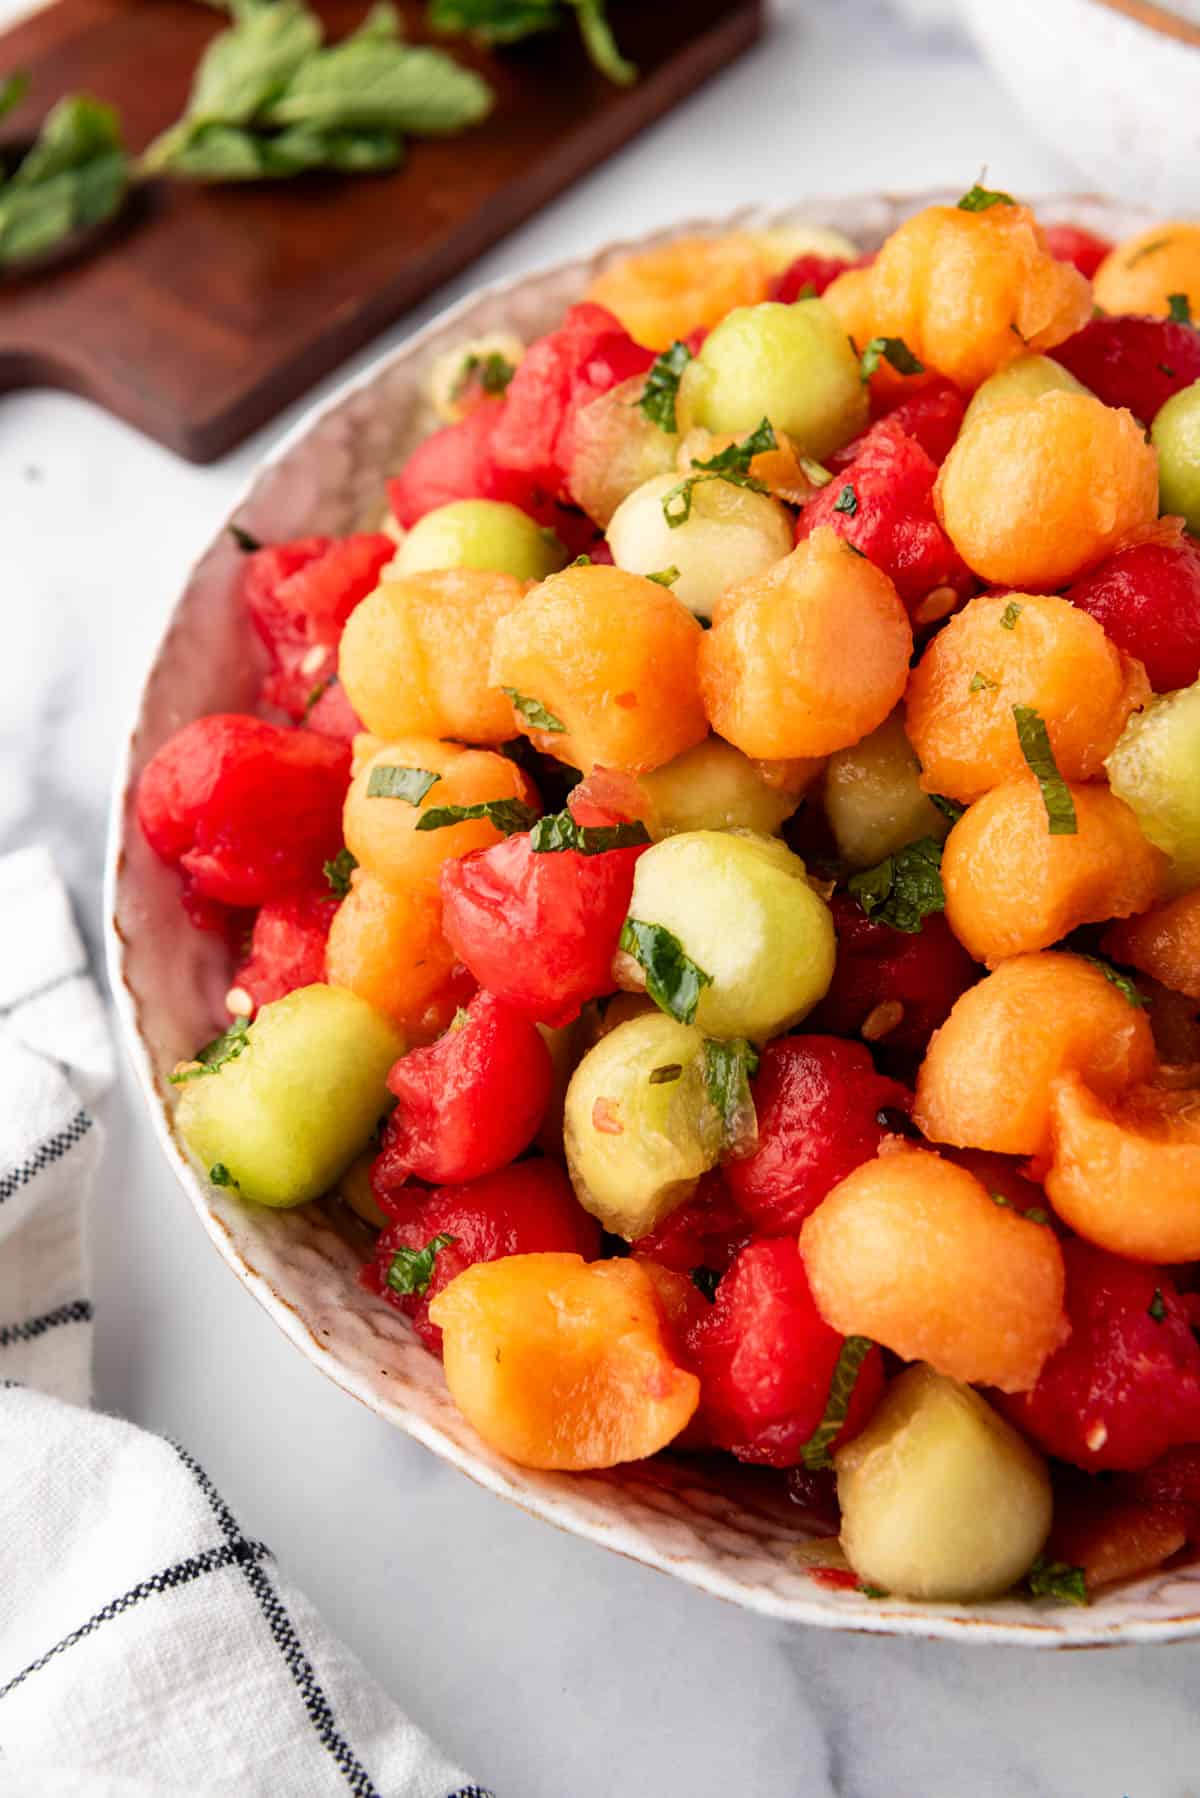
<point>206,310</point>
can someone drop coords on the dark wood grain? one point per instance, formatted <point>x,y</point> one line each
<point>206,310</point>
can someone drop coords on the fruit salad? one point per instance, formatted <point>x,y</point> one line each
<point>713,883</point>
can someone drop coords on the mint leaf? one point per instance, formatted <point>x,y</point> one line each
<point>243,70</point>
<point>903,889</point>
<point>1009,616</point>
<point>673,979</point>
<point>412,1269</point>
<point>662,386</point>
<point>1122,982</point>
<point>979,199</point>
<point>1156,1310</point>
<point>1035,747</point>
<point>729,1067</point>
<point>75,175</point>
<point>1179,308</point>
<point>730,464</point>
<point>558,832</point>
<point>600,44</point>
<point>949,808</point>
<point>532,711</point>
<point>846,501</point>
<point>508,815</point>
<point>664,577</point>
<point>410,784</point>
<point>493,372</point>
<point>214,1056</point>
<point>365,83</point>
<point>1055,1579</point>
<point>893,350</point>
<point>982,683</point>
<point>854,1351</point>
<point>507,21</point>
<point>338,872</point>
<point>220,1175</point>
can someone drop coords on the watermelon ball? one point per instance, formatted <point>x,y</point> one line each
<point>916,976</point>
<point>1074,244</point>
<point>930,410</point>
<point>247,811</point>
<point>1125,1386</point>
<point>287,948</point>
<point>882,503</point>
<point>527,1209</point>
<point>705,1232</point>
<point>1147,599</point>
<point>299,596</point>
<point>1133,362</point>
<point>807,278</point>
<point>822,1111</point>
<point>766,1360</point>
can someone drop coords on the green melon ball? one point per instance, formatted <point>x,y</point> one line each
<point>282,1120</point>
<point>1025,379</point>
<point>480,533</point>
<point>742,910</point>
<point>1176,436</point>
<point>791,364</point>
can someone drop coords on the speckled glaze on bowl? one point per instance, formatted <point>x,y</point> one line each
<point>725,1532</point>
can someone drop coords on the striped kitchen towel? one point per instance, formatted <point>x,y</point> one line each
<point>148,1646</point>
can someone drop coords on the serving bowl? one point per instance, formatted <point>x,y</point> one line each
<point>727,1531</point>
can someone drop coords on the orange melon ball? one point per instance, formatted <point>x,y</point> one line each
<point>1017,649</point>
<point>382,832</point>
<point>562,1363</point>
<point>851,299</point>
<point>911,1251</point>
<point>388,947</point>
<point>1012,886</point>
<point>1164,943</point>
<point>1126,1173</point>
<point>664,294</point>
<point>1142,273</point>
<point>1034,491</point>
<point>414,655</point>
<point>986,1077</point>
<point>971,291</point>
<point>807,658</point>
<point>611,658</point>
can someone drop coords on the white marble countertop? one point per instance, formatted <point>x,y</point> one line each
<point>545,1665</point>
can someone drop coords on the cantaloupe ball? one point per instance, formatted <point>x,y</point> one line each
<point>382,832</point>
<point>1034,491</point>
<point>387,946</point>
<point>1142,273</point>
<point>612,659</point>
<point>664,294</point>
<point>1126,1172</point>
<point>986,1077</point>
<point>1164,943</point>
<point>911,1251</point>
<point>808,657</point>
<point>971,291</point>
<point>1013,886</point>
<point>562,1363</point>
<point>414,655</point>
<point>1017,649</point>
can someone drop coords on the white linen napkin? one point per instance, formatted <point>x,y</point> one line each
<point>148,1647</point>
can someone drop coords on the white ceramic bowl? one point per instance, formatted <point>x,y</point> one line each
<point>726,1532</point>
<point>1114,85</point>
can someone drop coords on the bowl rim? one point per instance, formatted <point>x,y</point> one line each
<point>887,1617</point>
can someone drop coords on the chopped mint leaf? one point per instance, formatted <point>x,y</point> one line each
<point>731,464</point>
<point>949,808</point>
<point>1157,1308</point>
<point>412,1269</point>
<point>245,542</point>
<point>1055,1579</point>
<point>665,577</point>
<point>1035,747</point>
<point>213,1056</point>
<point>893,350</point>
<point>508,815</point>
<point>982,683</point>
<point>979,199</point>
<point>220,1175</point>
<point>492,373</point>
<point>846,501</point>
<point>531,711</point>
<point>904,888</point>
<point>1009,616</point>
<point>391,782</point>
<point>673,980</point>
<point>662,386</point>
<point>338,872</point>
<point>666,1075</point>
<point>729,1067</point>
<point>559,831</point>
<point>854,1351</point>
<point>706,1280</point>
<point>1122,982</point>
<point>1180,308</point>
